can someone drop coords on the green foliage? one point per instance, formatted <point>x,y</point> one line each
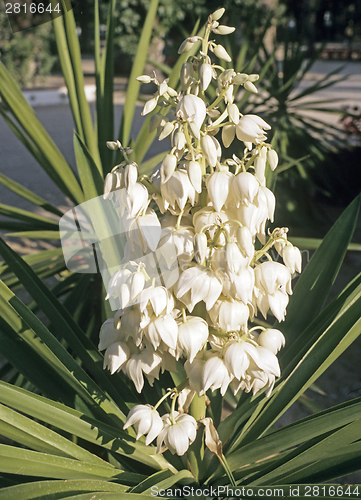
<point>26,54</point>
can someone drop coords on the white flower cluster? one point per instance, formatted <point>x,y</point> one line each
<point>215,211</point>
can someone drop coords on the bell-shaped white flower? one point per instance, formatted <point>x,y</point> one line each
<point>136,285</point>
<point>237,357</point>
<point>133,201</point>
<point>146,420</point>
<point>292,258</point>
<point>267,198</point>
<point>245,241</point>
<point>268,361</point>
<point>193,110</point>
<point>271,339</point>
<point>176,243</point>
<point>147,363</point>
<point>158,298</point>
<point>215,375</point>
<point>251,128</point>
<point>108,334</point>
<point>178,190</point>
<point>194,372</point>
<point>243,283</point>
<point>116,356</point>
<point>119,277</point>
<point>203,285</point>
<point>208,216</point>
<point>278,302</point>
<point>145,230</point>
<point>233,257</point>
<point>222,263</point>
<point>273,276</point>
<point>229,315</point>
<point>163,328</point>
<point>192,335</point>
<point>219,184</point>
<point>245,187</point>
<point>253,216</point>
<point>178,433</point>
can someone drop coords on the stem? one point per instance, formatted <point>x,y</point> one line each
<point>219,120</point>
<point>179,219</point>
<point>163,398</point>
<point>196,451</point>
<point>184,315</point>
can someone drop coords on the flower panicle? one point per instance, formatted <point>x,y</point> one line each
<point>217,267</point>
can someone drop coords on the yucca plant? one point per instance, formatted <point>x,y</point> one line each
<point>63,416</point>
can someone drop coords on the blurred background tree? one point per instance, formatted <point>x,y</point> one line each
<point>27,54</point>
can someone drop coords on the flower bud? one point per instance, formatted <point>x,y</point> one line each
<point>166,130</point>
<point>109,185</point>
<point>253,78</point>
<point>168,167</point>
<point>260,168</point>
<point>233,113</point>
<point>205,74</point>
<point>192,335</point>
<point>250,87</point>
<point>245,241</point>
<point>272,340</point>
<point>195,175</point>
<point>272,158</point>
<point>223,30</point>
<point>179,140</point>
<point>150,105</point>
<point>209,150</point>
<point>144,79</point>
<point>228,95</point>
<point>200,247</point>
<point>240,79</point>
<point>154,122</point>
<point>185,46</point>
<point>130,175</point>
<point>186,74</point>
<point>217,14</point>
<point>221,52</point>
<point>228,135</point>
<point>113,145</point>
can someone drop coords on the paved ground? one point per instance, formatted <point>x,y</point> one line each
<point>343,380</point>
